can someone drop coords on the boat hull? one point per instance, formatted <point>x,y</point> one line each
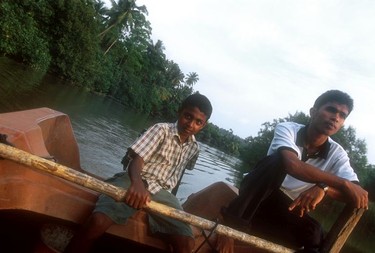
<point>44,211</point>
<point>26,192</point>
<point>40,212</point>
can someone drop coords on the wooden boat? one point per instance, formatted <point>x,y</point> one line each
<point>39,212</point>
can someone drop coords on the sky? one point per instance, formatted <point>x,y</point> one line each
<point>262,60</point>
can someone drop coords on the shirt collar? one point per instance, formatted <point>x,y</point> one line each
<point>323,150</point>
<point>175,133</point>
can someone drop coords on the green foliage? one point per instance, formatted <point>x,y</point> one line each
<point>21,37</point>
<point>221,139</point>
<point>367,178</point>
<point>106,50</point>
<point>328,211</point>
<point>74,42</point>
<point>255,148</point>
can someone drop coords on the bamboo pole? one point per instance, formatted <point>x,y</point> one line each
<point>118,194</point>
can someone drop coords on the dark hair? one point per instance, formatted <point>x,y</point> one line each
<point>200,101</point>
<point>334,96</point>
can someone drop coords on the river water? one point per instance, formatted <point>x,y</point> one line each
<point>103,128</point>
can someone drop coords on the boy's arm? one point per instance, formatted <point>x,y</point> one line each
<point>137,196</point>
<point>308,173</point>
<point>191,163</point>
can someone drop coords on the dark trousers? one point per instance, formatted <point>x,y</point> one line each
<point>262,208</point>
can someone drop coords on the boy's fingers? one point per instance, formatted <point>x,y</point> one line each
<point>295,203</point>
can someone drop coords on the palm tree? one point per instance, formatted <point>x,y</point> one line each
<point>191,79</point>
<point>121,18</point>
<point>174,74</point>
<point>100,8</point>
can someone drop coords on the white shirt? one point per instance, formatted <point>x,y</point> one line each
<point>335,160</point>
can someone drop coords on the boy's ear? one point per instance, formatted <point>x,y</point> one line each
<point>312,111</point>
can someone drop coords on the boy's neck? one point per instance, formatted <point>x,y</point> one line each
<point>183,138</point>
<point>314,139</point>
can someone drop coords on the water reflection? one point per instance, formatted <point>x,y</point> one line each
<point>103,128</point>
<point>16,80</point>
<point>212,166</point>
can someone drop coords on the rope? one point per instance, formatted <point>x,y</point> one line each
<point>207,237</point>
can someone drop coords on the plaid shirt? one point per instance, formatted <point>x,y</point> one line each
<point>164,156</point>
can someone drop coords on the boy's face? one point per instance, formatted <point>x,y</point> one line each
<point>329,118</point>
<point>190,121</point>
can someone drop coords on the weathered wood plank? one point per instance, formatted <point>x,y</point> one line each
<point>341,229</point>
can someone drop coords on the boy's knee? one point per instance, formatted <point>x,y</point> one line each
<point>97,224</point>
<point>190,243</point>
<point>187,244</point>
<point>182,243</point>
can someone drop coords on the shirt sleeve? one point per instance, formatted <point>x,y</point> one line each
<point>341,164</point>
<point>148,143</point>
<point>284,138</point>
<point>191,163</point>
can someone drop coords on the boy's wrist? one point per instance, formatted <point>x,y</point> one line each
<point>323,186</point>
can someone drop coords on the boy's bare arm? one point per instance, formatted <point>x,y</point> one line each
<point>341,188</point>
<point>137,196</point>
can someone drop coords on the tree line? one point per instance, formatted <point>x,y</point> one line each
<point>109,50</point>
<point>105,50</point>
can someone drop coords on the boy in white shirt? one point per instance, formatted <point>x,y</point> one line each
<point>303,165</point>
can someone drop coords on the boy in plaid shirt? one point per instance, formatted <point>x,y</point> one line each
<point>157,161</point>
